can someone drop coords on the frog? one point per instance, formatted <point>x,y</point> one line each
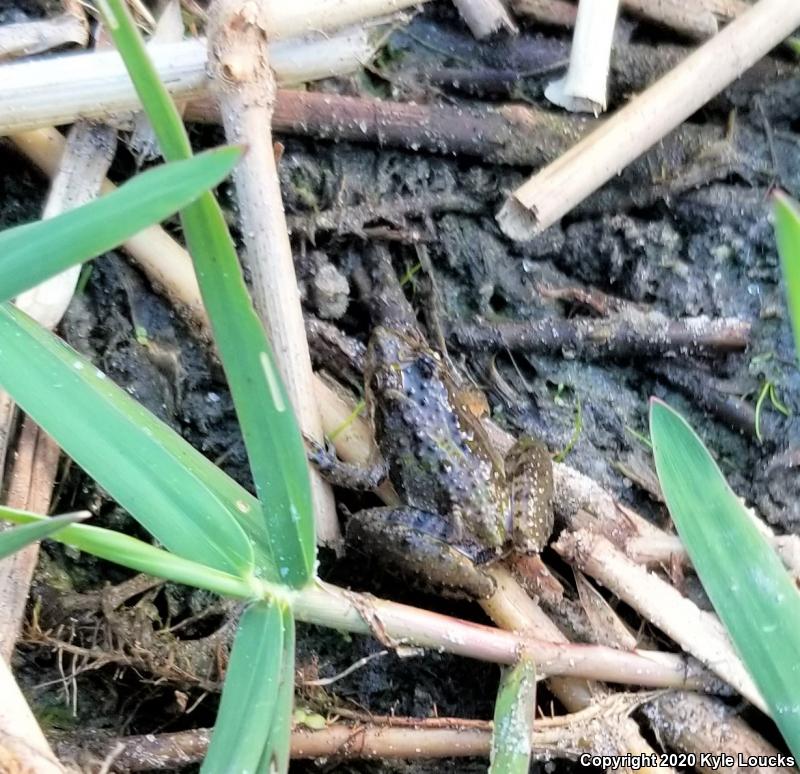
<point>463,505</point>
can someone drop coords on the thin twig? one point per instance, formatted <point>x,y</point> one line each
<point>558,188</point>
<point>510,134</point>
<point>625,335</point>
<point>245,86</point>
<point>376,737</point>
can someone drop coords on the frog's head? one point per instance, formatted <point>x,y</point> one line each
<point>396,359</point>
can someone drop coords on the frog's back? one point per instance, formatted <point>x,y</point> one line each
<point>438,455</point>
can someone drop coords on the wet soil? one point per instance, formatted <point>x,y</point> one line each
<point>697,243</point>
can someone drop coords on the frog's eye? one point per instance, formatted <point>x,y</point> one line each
<point>427,364</point>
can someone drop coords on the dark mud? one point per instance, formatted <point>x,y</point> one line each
<point>695,242</point>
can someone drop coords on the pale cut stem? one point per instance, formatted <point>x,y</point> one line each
<point>23,746</point>
<point>583,88</point>
<point>483,17</point>
<point>245,86</point>
<point>95,85</point>
<point>553,192</point>
<point>29,38</point>
<point>696,631</point>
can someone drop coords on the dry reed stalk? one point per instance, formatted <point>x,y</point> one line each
<point>95,85</point>
<point>559,187</point>
<point>245,87</point>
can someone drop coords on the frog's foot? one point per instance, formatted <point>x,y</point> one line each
<point>344,474</point>
<point>414,541</point>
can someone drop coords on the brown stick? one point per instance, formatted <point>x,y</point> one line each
<point>624,336</point>
<point>375,737</point>
<point>30,489</point>
<point>511,134</point>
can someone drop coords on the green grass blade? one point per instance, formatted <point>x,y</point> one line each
<point>787,233</point>
<point>743,577</point>
<point>274,445</point>
<point>143,463</point>
<point>254,696</point>
<point>277,750</point>
<point>13,540</point>
<point>514,714</point>
<point>136,555</point>
<point>35,251</point>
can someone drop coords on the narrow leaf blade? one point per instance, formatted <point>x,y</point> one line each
<point>136,555</point>
<point>33,252</point>
<point>743,577</point>
<point>15,539</point>
<point>141,461</point>
<point>254,698</point>
<point>514,714</point>
<point>787,233</point>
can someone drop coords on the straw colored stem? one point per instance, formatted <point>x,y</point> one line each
<point>245,86</point>
<point>58,90</point>
<point>332,607</point>
<point>696,631</point>
<point>554,191</point>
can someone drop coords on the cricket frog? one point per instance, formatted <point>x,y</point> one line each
<point>462,503</point>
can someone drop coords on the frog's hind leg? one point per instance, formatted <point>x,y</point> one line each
<point>529,473</point>
<point>345,474</point>
<point>414,541</point>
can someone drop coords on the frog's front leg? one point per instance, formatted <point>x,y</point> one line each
<point>345,474</point>
<point>529,474</point>
<point>415,541</point>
